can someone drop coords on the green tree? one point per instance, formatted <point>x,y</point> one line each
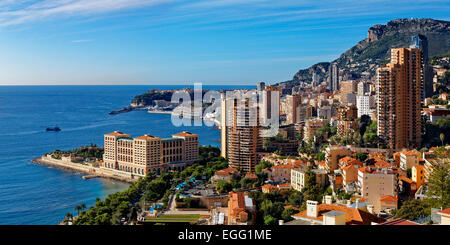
<point>69,216</point>
<point>311,190</point>
<point>223,186</point>
<point>286,215</point>
<point>412,210</point>
<point>440,184</point>
<point>269,220</point>
<point>361,156</point>
<point>442,137</point>
<point>295,198</point>
<point>273,209</point>
<point>364,122</point>
<point>262,165</point>
<point>78,209</point>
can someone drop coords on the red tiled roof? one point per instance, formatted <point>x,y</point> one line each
<point>270,187</point>
<point>399,221</point>
<point>381,163</point>
<point>147,137</point>
<point>283,166</point>
<point>226,171</point>
<point>353,216</point>
<point>185,134</point>
<point>388,199</point>
<point>116,133</point>
<point>445,211</point>
<point>405,179</point>
<point>251,176</point>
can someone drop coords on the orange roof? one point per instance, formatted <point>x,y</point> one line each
<point>363,169</point>
<point>389,199</point>
<point>185,133</point>
<point>251,176</point>
<point>283,166</point>
<point>445,211</point>
<point>116,133</point>
<point>353,216</point>
<point>236,203</point>
<point>399,221</point>
<point>147,137</point>
<point>226,171</point>
<point>270,187</point>
<point>338,180</point>
<point>405,179</point>
<point>411,153</point>
<point>346,159</point>
<point>381,163</point>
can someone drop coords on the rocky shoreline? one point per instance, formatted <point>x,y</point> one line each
<point>126,109</point>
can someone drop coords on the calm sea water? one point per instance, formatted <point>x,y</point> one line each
<point>36,194</point>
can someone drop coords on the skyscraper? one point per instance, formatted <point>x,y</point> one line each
<point>293,108</point>
<point>421,42</point>
<point>260,86</point>
<point>315,79</point>
<point>270,97</point>
<point>333,77</point>
<point>241,136</point>
<point>398,94</point>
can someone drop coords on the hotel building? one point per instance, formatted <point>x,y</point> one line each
<point>147,153</point>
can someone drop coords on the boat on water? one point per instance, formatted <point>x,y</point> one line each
<point>56,128</point>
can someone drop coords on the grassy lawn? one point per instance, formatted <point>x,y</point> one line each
<point>175,218</point>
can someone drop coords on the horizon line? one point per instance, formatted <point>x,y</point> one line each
<point>11,85</point>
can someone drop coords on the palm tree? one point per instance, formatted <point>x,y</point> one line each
<point>69,216</point>
<point>83,206</point>
<point>78,209</point>
<point>442,137</point>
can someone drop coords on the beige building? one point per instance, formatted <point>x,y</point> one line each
<point>298,178</point>
<point>311,127</point>
<point>348,87</point>
<point>281,173</point>
<point>147,153</point>
<point>346,128</point>
<point>399,99</point>
<point>293,103</point>
<point>332,155</point>
<point>376,183</point>
<point>408,159</point>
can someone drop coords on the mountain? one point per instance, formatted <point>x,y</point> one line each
<point>370,53</point>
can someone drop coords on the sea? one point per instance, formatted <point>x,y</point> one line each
<point>32,194</point>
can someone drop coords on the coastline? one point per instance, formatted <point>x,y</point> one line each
<point>93,172</point>
<point>159,112</point>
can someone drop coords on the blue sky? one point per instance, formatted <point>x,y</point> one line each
<point>181,42</point>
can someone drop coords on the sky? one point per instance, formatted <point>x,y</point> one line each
<point>214,42</point>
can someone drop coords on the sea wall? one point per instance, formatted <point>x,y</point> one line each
<point>85,168</point>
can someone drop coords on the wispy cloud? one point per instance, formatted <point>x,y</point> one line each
<point>82,41</point>
<point>203,13</point>
<point>18,12</point>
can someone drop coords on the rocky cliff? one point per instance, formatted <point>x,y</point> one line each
<point>368,54</point>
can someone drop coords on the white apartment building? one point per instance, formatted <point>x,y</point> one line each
<point>363,105</point>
